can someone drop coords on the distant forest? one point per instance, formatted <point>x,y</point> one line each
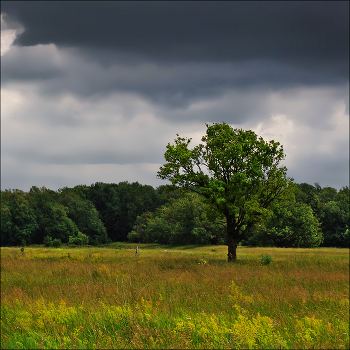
<point>103,213</point>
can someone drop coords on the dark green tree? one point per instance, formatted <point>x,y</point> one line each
<point>18,220</point>
<point>236,172</point>
<point>335,222</point>
<point>106,201</point>
<point>327,194</point>
<point>84,214</point>
<point>52,217</point>
<point>292,225</point>
<point>181,221</point>
<point>332,209</point>
<point>308,194</point>
<point>120,204</point>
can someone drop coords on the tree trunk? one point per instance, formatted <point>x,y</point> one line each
<point>232,248</point>
<point>231,241</point>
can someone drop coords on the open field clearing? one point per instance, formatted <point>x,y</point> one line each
<point>184,297</point>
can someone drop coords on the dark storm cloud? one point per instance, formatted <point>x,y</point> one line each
<point>175,87</point>
<point>93,91</point>
<point>313,35</point>
<point>175,54</point>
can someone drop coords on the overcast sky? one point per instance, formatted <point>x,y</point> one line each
<point>94,91</point>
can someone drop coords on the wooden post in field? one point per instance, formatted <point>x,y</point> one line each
<point>137,251</point>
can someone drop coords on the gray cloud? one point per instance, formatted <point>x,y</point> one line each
<point>94,91</point>
<point>174,86</point>
<point>298,33</point>
<point>58,176</point>
<point>178,53</point>
<point>330,171</point>
<point>27,63</point>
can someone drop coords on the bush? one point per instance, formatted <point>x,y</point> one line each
<point>181,221</point>
<point>292,225</point>
<point>80,239</point>
<point>94,240</point>
<point>200,236</point>
<point>266,259</point>
<point>56,243</point>
<point>47,241</point>
<point>133,237</point>
<point>117,245</point>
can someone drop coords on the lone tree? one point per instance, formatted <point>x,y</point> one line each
<point>235,171</point>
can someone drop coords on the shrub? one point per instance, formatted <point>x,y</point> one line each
<point>47,241</point>
<point>94,240</point>
<point>200,235</point>
<point>117,245</point>
<point>73,240</point>
<point>56,243</point>
<point>266,259</point>
<point>80,239</point>
<point>133,237</point>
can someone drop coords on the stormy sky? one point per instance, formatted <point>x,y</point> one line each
<point>94,91</point>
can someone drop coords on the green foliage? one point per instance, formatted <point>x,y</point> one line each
<point>335,222</point>
<point>266,259</point>
<point>327,194</point>
<point>201,235</point>
<point>236,172</point>
<point>42,212</point>
<point>84,214</point>
<point>292,225</point>
<point>120,204</point>
<point>80,239</point>
<point>133,237</point>
<point>18,220</point>
<point>181,221</point>
<point>52,217</point>
<point>332,210</point>
<point>307,194</point>
<point>346,239</point>
<point>47,241</point>
<point>117,245</point>
<point>129,211</point>
<point>295,226</point>
<point>56,243</point>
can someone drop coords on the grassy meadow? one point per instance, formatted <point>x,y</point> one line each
<point>183,297</point>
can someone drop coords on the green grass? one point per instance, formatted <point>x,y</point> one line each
<point>174,297</point>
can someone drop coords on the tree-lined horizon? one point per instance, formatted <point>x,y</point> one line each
<point>159,217</point>
<point>230,189</point>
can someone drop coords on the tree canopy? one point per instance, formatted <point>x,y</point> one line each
<point>180,221</point>
<point>104,212</point>
<point>238,173</point>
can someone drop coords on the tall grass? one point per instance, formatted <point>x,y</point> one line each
<point>185,297</point>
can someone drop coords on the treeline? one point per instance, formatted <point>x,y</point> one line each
<point>102,213</point>
<point>318,217</point>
